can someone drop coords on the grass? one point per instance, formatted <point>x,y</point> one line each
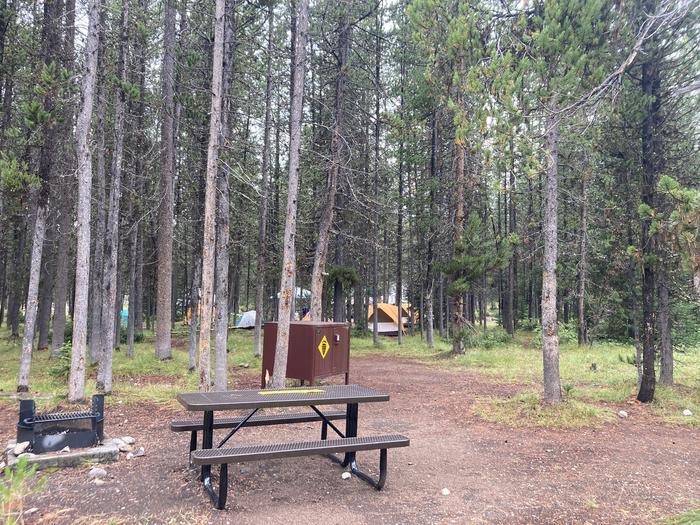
<point>593,377</point>
<point>527,410</point>
<point>688,518</point>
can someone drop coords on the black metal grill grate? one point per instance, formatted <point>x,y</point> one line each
<point>59,416</point>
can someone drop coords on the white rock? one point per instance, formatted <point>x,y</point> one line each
<point>445,491</point>
<point>118,441</point>
<point>20,448</point>
<point>98,481</point>
<point>125,448</point>
<point>2,465</point>
<point>128,440</point>
<point>130,455</point>
<point>26,455</point>
<point>346,475</point>
<point>622,413</point>
<point>97,473</point>
<point>687,412</point>
<point>141,452</point>
<point>65,449</point>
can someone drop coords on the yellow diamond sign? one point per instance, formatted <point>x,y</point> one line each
<point>323,347</point>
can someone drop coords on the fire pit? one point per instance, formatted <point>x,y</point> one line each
<point>55,431</point>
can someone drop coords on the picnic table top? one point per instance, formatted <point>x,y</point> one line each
<point>287,397</point>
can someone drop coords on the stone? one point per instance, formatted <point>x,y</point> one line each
<point>130,455</point>
<point>98,481</point>
<point>65,449</point>
<point>118,441</point>
<point>2,465</point>
<point>97,473</point>
<point>687,412</point>
<point>124,448</point>
<point>128,440</point>
<point>141,452</point>
<point>622,413</point>
<point>445,491</point>
<point>20,448</point>
<point>346,475</point>
<point>102,454</point>
<point>26,455</point>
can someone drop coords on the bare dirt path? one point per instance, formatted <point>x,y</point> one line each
<point>632,471</point>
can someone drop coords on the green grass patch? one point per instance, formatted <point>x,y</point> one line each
<point>527,410</point>
<point>687,518</point>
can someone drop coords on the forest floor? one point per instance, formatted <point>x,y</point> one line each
<point>476,428</point>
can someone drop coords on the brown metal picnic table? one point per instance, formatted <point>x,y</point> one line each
<point>254,400</point>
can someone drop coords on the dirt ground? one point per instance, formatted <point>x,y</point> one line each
<point>631,471</point>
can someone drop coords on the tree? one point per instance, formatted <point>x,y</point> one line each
<point>76,382</point>
<point>289,256</point>
<point>165,205</point>
<point>209,243</point>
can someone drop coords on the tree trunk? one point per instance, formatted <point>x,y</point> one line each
<point>165,206</point>
<point>194,310</point>
<point>222,223</point>
<point>209,237</point>
<point>429,277</point>
<point>46,296</point>
<point>650,162</point>
<point>289,257</point>
<point>96,290</point>
<point>76,385</point>
<point>111,266</point>
<point>458,325</point>
<point>550,329</point>
<point>377,127</point>
<point>343,47</point>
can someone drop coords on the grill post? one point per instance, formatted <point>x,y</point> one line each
<point>98,409</point>
<point>27,410</point>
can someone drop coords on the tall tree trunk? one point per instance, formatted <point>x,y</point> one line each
<point>209,237</point>
<point>583,264</point>
<point>289,255</point>
<point>262,220</point>
<point>343,47</point>
<point>399,220</point>
<point>165,206</point>
<point>76,384</point>
<point>194,310</point>
<point>651,86</point>
<point>377,138</point>
<point>111,266</point>
<point>46,295</point>
<point>96,285</point>
<point>51,44</point>
<point>222,223</point>
<point>429,277</point>
<point>550,328</point>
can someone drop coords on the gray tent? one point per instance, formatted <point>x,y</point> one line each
<point>247,320</point>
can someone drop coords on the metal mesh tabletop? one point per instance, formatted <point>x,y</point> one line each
<point>288,397</point>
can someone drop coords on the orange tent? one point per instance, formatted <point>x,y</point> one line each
<point>388,317</point>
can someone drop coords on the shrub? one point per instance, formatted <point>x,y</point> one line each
<point>15,486</point>
<point>61,368</point>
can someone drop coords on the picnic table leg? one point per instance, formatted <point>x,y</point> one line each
<point>351,431</point>
<point>207,440</point>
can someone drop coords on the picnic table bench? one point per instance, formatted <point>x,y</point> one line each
<point>253,400</point>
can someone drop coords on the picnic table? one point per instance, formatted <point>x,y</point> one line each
<point>255,400</point>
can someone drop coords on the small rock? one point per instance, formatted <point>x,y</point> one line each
<point>687,412</point>
<point>140,453</point>
<point>622,413</point>
<point>118,441</point>
<point>2,465</point>
<point>346,475</point>
<point>130,455</point>
<point>65,449</point>
<point>445,491</point>
<point>128,440</point>
<point>97,473</point>
<point>125,448</point>
<point>31,511</point>
<point>98,481</point>
<point>20,448</point>
<point>26,455</point>
<point>244,365</point>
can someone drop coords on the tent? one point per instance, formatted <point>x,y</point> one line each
<point>388,317</point>
<point>247,320</point>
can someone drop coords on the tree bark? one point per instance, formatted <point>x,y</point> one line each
<point>375,183</point>
<point>317,274</point>
<point>165,206</point>
<point>76,384</point>
<point>111,266</point>
<point>222,223</point>
<point>289,255</point>
<point>458,325</point>
<point>209,237</point>
<point>262,221</point>
<point>550,328</point>
<point>650,151</point>
<point>46,294</point>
